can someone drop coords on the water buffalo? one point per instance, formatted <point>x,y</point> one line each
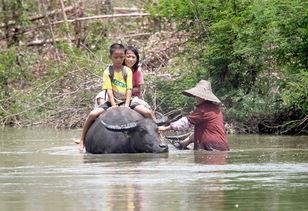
<point>123,130</point>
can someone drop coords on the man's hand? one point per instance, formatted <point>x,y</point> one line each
<point>163,128</point>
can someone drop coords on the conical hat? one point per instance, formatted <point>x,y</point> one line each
<point>203,90</point>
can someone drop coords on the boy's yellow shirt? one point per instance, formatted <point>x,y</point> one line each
<point>118,85</point>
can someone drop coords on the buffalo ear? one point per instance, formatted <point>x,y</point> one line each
<point>128,126</point>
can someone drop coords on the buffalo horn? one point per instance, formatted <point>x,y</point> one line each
<point>127,126</point>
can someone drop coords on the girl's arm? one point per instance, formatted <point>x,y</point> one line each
<point>139,81</point>
<point>138,89</point>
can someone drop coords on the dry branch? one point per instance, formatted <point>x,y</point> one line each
<point>131,15</point>
<point>39,17</point>
<point>46,41</point>
<point>135,35</point>
<point>82,19</point>
<point>51,13</point>
<point>126,10</point>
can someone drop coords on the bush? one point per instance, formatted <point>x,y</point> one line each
<point>247,49</point>
<point>295,92</point>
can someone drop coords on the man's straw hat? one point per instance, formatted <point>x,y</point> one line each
<point>203,90</point>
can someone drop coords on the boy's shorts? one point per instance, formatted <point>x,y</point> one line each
<point>105,105</point>
<point>103,94</point>
<point>135,101</point>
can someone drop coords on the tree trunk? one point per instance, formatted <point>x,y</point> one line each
<point>79,28</point>
<point>68,37</point>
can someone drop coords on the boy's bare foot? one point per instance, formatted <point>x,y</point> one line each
<point>81,147</point>
<point>76,141</point>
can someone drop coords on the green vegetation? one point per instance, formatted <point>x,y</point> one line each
<point>253,52</point>
<point>40,89</point>
<point>51,84</point>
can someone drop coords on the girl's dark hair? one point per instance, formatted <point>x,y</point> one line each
<point>135,51</point>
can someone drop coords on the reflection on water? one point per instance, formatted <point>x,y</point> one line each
<point>211,158</point>
<point>41,169</point>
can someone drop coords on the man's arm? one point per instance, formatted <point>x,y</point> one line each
<point>181,124</point>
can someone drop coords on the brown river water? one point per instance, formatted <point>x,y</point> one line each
<point>41,169</point>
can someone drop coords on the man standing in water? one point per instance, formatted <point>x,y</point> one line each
<point>209,131</point>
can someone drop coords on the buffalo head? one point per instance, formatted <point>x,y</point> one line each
<point>143,135</point>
